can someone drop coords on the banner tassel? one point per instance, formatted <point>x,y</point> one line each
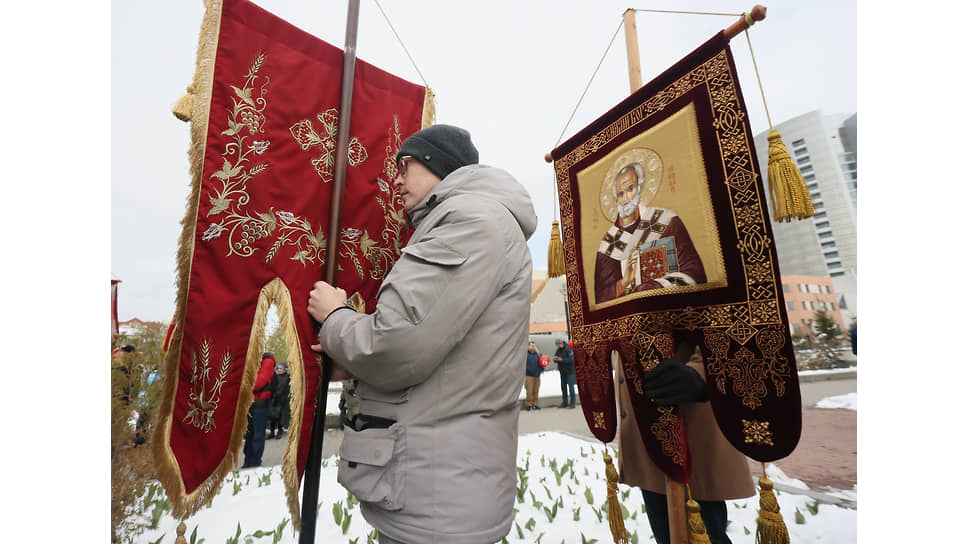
<point>788,190</point>
<point>429,109</point>
<point>770,528</point>
<point>615,522</point>
<point>183,109</point>
<point>697,528</point>
<point>556,253</point>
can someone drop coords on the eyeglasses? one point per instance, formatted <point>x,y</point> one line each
<point>402,163</point>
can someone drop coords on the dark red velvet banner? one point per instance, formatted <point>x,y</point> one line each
<point>264,128</point>
<point>689,253</point>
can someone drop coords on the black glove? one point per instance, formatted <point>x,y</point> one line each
<point>672,382</point>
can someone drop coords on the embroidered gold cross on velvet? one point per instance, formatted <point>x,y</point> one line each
<point>652,225</point>
<point>306,135</point>
<point>614,241</point>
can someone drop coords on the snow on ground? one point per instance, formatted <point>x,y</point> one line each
<point>561,500</point>
<point>844,402</point>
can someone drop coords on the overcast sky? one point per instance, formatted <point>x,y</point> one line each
<point>511,72</point>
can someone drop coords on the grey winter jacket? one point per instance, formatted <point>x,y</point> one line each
<point>441,355</point>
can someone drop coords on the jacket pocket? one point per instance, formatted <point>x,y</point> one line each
<point>419,277</point>
<point>371,465</point>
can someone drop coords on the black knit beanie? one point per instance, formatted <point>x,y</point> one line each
<point>441,148</point>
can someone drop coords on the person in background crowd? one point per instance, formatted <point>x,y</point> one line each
<point>566,369</point>
<point>279,402</point>
<point>532,378</point>
<point>255,433</point>
<point>720,471</point>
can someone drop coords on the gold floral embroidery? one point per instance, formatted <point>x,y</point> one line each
<point>757,432</point>
<point>666,431</point>
<point>204,397</point>
<point>371,257</point>
<point>307,137</point>
<point>599,418</point>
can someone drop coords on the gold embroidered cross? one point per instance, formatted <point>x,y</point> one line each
<point>613,241</point>
<point>652,225</point>
<point>307,137</point>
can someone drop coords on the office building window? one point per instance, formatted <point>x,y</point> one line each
<point>786,287</point>
<point>799,143</point>
<point>805,305</point>
<point>790,306</point>
<point>806,169</point>
<point>804,159</point>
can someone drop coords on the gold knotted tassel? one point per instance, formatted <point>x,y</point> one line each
<point>556,253</point>
<point>770,528</point>
<point>429,108</point>
<point>615,521</point>
<point>180,532</point>
<point>788,190</point>
<point>183,109</point>
<point>697,528</point>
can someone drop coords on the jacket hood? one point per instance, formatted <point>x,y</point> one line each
<point>484,182</point>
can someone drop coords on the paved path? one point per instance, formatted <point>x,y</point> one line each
<point>825,457</point>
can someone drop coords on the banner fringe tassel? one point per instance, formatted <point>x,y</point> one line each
<point>429,109</point>
<point>183,108</point>
<point>615,521</point>
<point>770,528</point>
<point>788,190</point>
<point>697,529</point>
<point>556,253</point>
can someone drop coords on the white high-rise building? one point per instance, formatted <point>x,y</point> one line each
<point>824,148</point>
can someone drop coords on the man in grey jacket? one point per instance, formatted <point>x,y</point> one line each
<point>432,454</point>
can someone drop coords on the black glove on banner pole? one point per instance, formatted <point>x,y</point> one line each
<point>311,476</point>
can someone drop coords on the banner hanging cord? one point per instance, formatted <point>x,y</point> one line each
<point>689,12</point>
<point>422,78</point>
<point>589,82</point>
<point>758,82</point>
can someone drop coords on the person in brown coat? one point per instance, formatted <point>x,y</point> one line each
<point>720,472</point>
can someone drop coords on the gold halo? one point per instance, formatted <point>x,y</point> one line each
<point>650,161</point>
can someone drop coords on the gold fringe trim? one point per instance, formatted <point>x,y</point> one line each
<point>615,522</point>
<point>770,528</point>
<point>166,466</point>
<point>183,108</point>
<point>788,190</point>
<point>429,108</point>
<point>276,292</point>
<point>556,253</point>
<point>697,529</point>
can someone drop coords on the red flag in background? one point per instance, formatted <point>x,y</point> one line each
<point>264,124</point>
<point>114,306</point>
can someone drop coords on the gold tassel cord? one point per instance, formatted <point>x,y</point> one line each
<point>556,253</point>
<point>770,528</point>
<point>183,109</point>
<point>429,108</point>
<point>180,534</point>
<point>788,190</point>
<point>697,528</point>
<point>615,521</point>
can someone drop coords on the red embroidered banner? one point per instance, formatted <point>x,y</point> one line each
<point>264,124</point>
<point>114,306</point>
<point>666,232</point>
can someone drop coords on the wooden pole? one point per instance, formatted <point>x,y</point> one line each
<point>758,13</point>
<point>675,492</point>
<point>632,50</point>
<point>311,476</point>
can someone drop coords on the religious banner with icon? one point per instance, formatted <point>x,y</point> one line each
<point>666,234</point>
<point>263,126</point>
